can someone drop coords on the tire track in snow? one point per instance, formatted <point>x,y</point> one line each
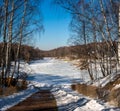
<point>67,99</point>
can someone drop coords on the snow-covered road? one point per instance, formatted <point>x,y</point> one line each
<point>57,76</point>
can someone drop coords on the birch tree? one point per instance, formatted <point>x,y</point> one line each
<point>119,36</point>
<point>100,24</point>
<point>4,40</point>
<point>19,19</point>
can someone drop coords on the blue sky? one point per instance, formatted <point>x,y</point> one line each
<point>55,21</point>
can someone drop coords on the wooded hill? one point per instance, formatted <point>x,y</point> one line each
<point>83,51</point>
<point>27,53</point>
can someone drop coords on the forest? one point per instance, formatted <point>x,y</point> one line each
<point>94,31</point>
<point>94,43</point>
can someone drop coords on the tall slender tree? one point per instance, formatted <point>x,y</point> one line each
<point>119,35</point>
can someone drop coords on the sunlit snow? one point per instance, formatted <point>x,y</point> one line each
<point>57,76</point>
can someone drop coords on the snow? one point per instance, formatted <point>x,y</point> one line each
<point>103,81</point>
<point>57,76</point>
<point>9,101</point>
<point>53,72</point>
<point>117,86</point>
<point>93,105</point>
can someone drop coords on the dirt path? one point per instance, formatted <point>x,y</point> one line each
<point>40,101</point>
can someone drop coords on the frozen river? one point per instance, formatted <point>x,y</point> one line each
<point>55,72</point>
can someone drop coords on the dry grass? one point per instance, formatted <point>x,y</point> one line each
<point>6,91</point>
<point>106,93</point>
<point>91,91</point>
<point>40,101</point>
<point>85,90</point>
<point>114,97</point>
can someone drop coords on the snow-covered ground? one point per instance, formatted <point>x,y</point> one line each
<point>54,72</point>
<point>57,76</point>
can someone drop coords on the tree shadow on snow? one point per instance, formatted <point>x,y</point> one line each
<point>73,105</point>
<point>52,79</point>
<point>111,109</point>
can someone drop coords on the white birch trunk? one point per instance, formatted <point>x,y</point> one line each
<point>119,36</point>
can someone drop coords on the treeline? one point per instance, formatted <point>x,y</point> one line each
<point>58,52</point>
<point>89,50</point>
<point>82,51</point>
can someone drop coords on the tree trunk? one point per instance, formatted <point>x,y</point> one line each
<point>119,35</point>
<point>8,51</point>
<point>4,41</point>
<point>21,37</point>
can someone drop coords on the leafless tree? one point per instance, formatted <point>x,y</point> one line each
<point>17,24</point>
<point>95,22</point>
